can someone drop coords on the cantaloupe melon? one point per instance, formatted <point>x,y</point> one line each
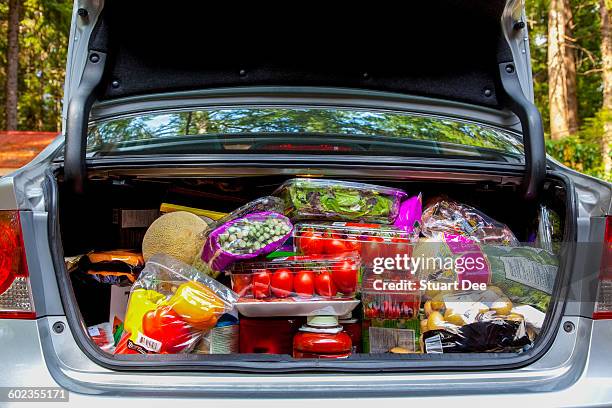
<point>178,234</point>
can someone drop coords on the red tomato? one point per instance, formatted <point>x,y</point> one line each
<point>325,285</point>
<point>376,239</point>
<point>282,283</point>
<point>402,245</point>
<point>353,245</point>
<point>241,283</point>
<point>167,327</point>
<point>344,275</point>
<point>309,242</point>
<point>335,245</point>
<point>261,284</point>
<point>303,283</point>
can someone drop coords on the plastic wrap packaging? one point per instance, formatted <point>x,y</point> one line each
<point>94,277</point>
<point>102,335</point>
<point>525,275</point>
<point>170,306</point>
<point>318,199</point>
<point>444,216</point>
<point>397,336</point>
<point>390,305</point>
<point>299,278</point>
<point>221,339</point>
<point>410,215</point>
<point>473,321</point>
<point>241,239</point>
<point>548,234</point>
<point>370,240</point>
<point>262,204</point>
<point>113,267</point>
<point>497,335</point>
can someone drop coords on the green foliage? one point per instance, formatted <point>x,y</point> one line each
<point>582,152</point>
<point>43,44</point>
<point>44,34</point>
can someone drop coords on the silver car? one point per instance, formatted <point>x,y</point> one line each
<point>221,104</point>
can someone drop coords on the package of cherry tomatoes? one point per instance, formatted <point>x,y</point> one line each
<point>298,278</point>
<point>171,305</point>
<point>371,241</point>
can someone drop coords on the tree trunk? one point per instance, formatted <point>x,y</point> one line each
<point>12,68</point>
<point>561,71</point>
<point>606,62</point>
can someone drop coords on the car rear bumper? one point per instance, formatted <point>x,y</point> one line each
<point>33,355</point>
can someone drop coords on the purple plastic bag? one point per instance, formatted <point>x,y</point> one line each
<point>409,215</point>
<point>219,259</point>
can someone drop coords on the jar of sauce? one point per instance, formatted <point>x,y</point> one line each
<point>321,337</point>
<point>352,327</point>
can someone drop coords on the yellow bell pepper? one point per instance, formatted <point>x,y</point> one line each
<point>141,301</point>
<point>197,305</point>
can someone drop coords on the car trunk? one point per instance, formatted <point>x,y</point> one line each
<point>138,57</point>
<point>89,222</point>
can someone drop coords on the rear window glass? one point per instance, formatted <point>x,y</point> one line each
<point>299,130</point>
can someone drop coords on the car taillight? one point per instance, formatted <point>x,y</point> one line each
<point>603,301</point>
<point>15,291</point>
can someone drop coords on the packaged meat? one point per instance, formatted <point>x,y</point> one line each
<point>170,306</point>
<point>319,199</point>
<point>445,216</point>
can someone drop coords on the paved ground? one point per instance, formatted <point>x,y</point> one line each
<point>18,148</point>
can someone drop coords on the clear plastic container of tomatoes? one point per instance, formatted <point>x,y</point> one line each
<point>371,241</point>
<point>299,278</point>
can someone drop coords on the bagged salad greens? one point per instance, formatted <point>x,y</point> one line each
<point>340,200</point>
<point>170,306</point>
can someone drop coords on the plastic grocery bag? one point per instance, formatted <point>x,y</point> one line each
<point>445,216</point>
<point>170,306</point>
<point>525,275</point>
<point>410,215</point>
<point>497,335</point>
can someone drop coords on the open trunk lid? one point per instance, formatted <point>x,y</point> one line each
<point>469,52</point>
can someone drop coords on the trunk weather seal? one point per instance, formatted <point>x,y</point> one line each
<point>283,364</point>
